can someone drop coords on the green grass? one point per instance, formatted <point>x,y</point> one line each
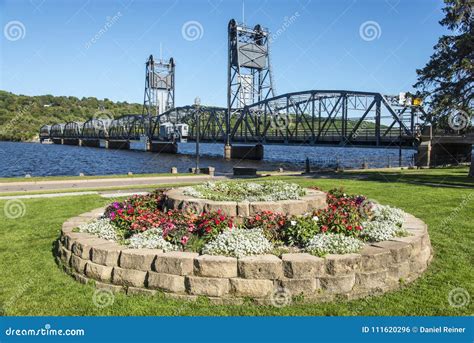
<point>452,176</point>
<point>32,284</point>
<point>100,189</point>
<point>86,177</point>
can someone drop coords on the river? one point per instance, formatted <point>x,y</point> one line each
<point>19,159</point>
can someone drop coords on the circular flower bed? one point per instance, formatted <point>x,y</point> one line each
<point>246,191</point>
<point>348,225</point>
<point>341,227</point>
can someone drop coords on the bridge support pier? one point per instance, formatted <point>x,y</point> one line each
<point>118,145</point>
<point>433,153</point>
<point>95,143</point>
<point>244,152</point>
<point>163,147</point>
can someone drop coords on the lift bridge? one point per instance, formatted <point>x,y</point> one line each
<point>254,115</point>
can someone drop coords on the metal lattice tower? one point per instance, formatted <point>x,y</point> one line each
<point>249,71</point>
<point>159,87</point>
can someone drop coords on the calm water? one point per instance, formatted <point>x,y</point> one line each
<point>18,159</point>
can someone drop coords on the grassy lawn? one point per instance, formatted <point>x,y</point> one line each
<point>452,176</point>
<point>85,177</point>
<point>32,284</point>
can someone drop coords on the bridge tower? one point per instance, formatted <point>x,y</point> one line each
<point>249,77</point>
<point>159,87</point>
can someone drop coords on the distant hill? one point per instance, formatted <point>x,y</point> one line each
<point>21,116</point>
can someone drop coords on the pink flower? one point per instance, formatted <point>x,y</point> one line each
<point>184,240</point>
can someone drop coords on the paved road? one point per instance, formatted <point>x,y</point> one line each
<point>58,185</point>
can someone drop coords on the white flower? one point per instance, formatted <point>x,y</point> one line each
<point>102,228</point>
<point>293,223</point>
<point>250,191</point>
<point>315,218</point>
<point>151,239</point>
<point>323,244</point>
<point>239,243</point>
<point>388,213</point>
<point>378,230</point>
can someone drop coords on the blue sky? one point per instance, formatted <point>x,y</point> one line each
<point>53,51</point>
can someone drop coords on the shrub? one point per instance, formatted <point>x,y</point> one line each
<point>152,239</point>
<point>239,243</point>
<point>250,191</point>
<point>299,230</point>
<point>102,228</point>
<point>376,231</point>
<point>331,243</point>
<point>272,224</point>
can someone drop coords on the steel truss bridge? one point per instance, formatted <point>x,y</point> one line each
<point>314,117</point>
<point>254,114</point>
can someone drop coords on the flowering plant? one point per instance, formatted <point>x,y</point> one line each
<point>331,243</point>
<point>249,191</point>
<point>271,223</point>
<point>342,215</point>
<point>239,243</point>
<point>300,230</point>
<point>137,213</point>
<point>211,224</point>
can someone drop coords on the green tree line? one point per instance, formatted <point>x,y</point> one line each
<point>21,116</point>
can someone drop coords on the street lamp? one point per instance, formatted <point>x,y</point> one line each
<point>197,104</point>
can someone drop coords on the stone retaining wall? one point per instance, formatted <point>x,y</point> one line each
<point>378,268</point>
<point>313,200</point>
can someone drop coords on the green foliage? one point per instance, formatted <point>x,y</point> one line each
<point>447,80</point>
<point>300,230</point>
<point>21,116</point>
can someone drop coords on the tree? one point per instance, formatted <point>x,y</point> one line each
<point>447,80</point>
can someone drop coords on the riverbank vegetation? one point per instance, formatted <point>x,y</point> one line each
<point>21,116</point>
